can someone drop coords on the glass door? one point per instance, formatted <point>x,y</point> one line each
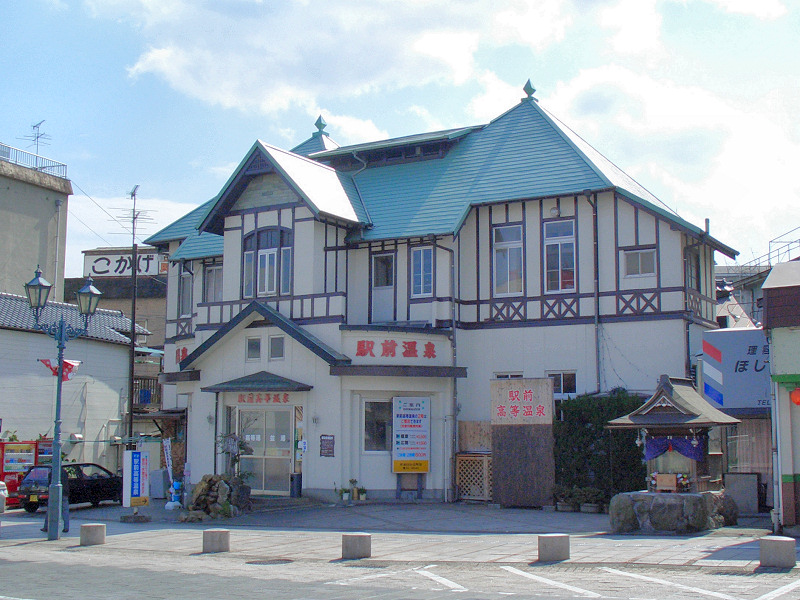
<point>268,433</point>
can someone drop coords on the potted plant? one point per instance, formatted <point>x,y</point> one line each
<point>564,498</point>
<point>344,494</point>
<point>591,499</point>
<point>354,488</point>
<point>362,493</point>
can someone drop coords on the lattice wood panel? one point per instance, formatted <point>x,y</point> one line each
<point>474,476</point>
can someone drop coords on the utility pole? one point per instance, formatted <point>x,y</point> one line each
<point>132,353</point>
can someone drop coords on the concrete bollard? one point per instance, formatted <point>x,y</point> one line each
<point>93,534</point>
<point>553,547</point>
<point>216,540</point>
<point>777,551</point>
<point>356,545</point>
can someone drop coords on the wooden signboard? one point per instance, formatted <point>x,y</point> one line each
<point>523,466</point>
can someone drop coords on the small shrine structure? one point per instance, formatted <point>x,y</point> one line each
<point>674,425</point>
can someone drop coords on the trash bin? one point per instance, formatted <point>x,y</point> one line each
<point>296,485</point>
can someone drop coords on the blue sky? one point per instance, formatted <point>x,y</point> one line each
<point>696,99</point>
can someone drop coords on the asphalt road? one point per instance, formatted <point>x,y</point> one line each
<point>36,571</point>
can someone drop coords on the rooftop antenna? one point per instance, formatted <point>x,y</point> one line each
<point>132,353</point>
<point>36,136</point>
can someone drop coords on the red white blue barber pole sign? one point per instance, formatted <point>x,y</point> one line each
<point>136,478</point>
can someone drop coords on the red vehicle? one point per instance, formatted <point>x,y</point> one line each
<point>16,458</point>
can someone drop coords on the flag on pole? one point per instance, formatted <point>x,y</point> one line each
<point>69,368</point>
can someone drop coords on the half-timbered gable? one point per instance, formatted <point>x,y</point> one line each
<point>504,250</point>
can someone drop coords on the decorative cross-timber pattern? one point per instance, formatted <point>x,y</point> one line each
<point>508,311</point>
<point>638,303</point>
<point>559,308</point>
<point>694,302</point>
<point>184,327</point>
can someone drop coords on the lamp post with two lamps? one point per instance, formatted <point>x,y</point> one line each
<point>38,290</point>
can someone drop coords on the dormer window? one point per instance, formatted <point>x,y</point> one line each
<point>267,263</point>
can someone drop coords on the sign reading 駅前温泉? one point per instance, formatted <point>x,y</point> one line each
<point>736,368</point>
<point>411,435</point>
<point>522,401</point>
<point>136,478</point>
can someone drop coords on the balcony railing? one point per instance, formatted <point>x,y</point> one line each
<point>146,394</point>
<point>32,161</point>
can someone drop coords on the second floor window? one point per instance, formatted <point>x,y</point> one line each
<point>421,272</point>
<point>507,245</point>
<point>212,283</point>
<point>640,262</point>
<point>559,256</point>
<point>693,271</point>
<point>184,292</point>
<point>267,263</point>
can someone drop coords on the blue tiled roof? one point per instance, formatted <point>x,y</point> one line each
<point>105,325</point>
<point>195,244</point>
<point>184,226</point>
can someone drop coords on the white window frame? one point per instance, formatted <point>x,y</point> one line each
<point>285,270</point>
<point>248,274</point>
<point>511,250</point>
<point>629,254</point>
<point>273,356</point>
<point>559,377</point>
<point>422,273</point>
<point>267,272</point>
<point>247,355</point>
<point>560,242</point>
<point>184,292</point>
<point>212,286</point>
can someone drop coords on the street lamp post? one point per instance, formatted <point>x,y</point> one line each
<point>37,290</point>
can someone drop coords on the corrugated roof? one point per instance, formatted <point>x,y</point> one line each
<point>105,325</point>
<point>183,227</point>
<point>317,184</point>
<point>318,142</point>
<point>199,245</point>
<point>418,138</point>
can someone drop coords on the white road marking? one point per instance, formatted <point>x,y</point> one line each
<point>357,579</point>
<point>439,579</point>
<point>670,583</point>
<point>780,591</point>
<point>12,598</point>
<point>552,583</point>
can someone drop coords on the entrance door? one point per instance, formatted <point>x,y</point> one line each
<point>270,435</point>
<point>382,288</point>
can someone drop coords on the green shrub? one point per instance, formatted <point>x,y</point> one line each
<point>589,455</point>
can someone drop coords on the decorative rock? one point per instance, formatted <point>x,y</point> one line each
<point>553,547</point>
<point>620,512</point>
<point>356,545</point>
<point>93,534</point>
<point>681,513</point>
<point>777,551</point>
<point>216,540</point>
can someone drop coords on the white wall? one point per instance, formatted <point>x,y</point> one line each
<point>90,401</point>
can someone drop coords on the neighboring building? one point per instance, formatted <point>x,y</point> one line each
<point>34,192</point>
<point>325,288</point>
<point>782,322</point>
<point>91,402</point>
<point>111,270</point>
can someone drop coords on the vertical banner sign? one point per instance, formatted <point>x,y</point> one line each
<point>136,478</point>
<point>411,435</point>
<point>168,457</point>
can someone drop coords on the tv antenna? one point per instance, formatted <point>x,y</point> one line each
<point>36,136</point>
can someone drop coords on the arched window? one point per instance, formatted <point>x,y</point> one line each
<point>267,263</point>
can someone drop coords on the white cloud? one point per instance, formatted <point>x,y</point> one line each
<point>638,25</point>
<point>535,24</point>
<point>763,9</point>
<point>350,130</point>
<point>496,97</point>
<point>692,148</point>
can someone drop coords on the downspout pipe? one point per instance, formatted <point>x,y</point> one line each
<point>592,200</point>
<point>454,416</point>
<point>216,430</point>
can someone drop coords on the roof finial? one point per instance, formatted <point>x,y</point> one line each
<point>321,124</point>
<point>529,90</point>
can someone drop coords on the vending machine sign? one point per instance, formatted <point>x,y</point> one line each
<point>411,435</point>
<point>136,478</point>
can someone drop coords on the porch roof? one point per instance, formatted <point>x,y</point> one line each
<point>262,381</point>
